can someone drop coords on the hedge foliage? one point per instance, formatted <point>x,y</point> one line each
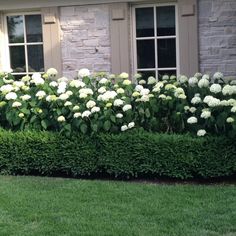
<point>126,155</point>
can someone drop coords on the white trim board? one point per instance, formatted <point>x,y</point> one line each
<point>31,4</point>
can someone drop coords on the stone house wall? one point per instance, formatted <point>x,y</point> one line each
<point>85,38</point>
<point>217,36</point>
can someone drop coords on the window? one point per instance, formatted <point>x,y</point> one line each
<point>25,43</point>
<point>155,40</point>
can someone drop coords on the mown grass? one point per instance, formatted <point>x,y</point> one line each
<point>55,206</point>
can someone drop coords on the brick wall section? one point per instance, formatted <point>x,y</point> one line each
<point>85,35</point>
<point>217,36</point>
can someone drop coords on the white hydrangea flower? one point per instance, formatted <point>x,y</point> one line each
<point>77,115</point>
<point>211,101</point>
<point>21,115</point>
<point>64,96</point>
<point>95,109</point>
<point>201,133</point>
<point>229,89</point>
<point>179,91</point>
<point>232,102</point>
<point>16,104</point>
<point>124,128</point>
<point>77,84</point>
<point>170,87</point>
<point>203,83</point>
<point>198,75</point>
<point>144,92</point>
<point>86,114</point>
<point>214,102</point>
<point>86,91</point>
<point>63,79</point>
<point>84,73</point>
<point>151,80</point>
<point>205,114</point>
<point>25,78</point>
<point>53,84</point>
<point>102,90</point>
<point>40,94</point>
<point>50,98</point>
<point>206,76</point>
<point>67,104</point>
<point>193,81</point>
<point>119,116</point>
<point>52,73</point>
<point>192,120</point>
<point>25,97</point>
<point>90,104</point>
<point>196,100</point>
<point>192,109</point>
<point>131,125</point>
<point>83,95</point>
<point>118,103</point>
<point>182,96</point>
<point>215,88</point>
<point>162,96</point>
<point>183,79</point>
<point>127,82</point>
<point>224,103</point>
<point>37,79</point>
<point>137,76</point>
<point>76,108</point>
<point>156,90</point>
<point>69,93</point>
<point>6,88</point>
<point>18,84</point>
<point>145,98</point>
<point>138,88</point>
<point>109,95</point>
<point>127,107</point>
<point>62,87</point>
<point>124,75</point>
<point>103,81</point>
<point>165,77</point>
<point>186,108</point>
<point>230,120</point>
<point>120,91</point>
<point>141,82</point>
<point>233,109</point>
<point>61,119</point>
<point>218,75</point>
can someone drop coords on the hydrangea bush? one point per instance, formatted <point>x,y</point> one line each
<point>93,103</point>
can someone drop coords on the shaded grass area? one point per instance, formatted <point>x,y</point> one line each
<point>56,206</point>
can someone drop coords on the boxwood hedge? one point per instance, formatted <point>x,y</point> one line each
<point>130,154</point>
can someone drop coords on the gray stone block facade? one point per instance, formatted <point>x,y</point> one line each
<point>85,38</point>
<point>217,36</point>
<point>86,41</point>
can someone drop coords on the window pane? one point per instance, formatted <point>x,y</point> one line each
<point>17,57</point>
<point>165,21</point>
<point>166,72</point>
<point>15,29</point>
<point>146,53</point>
<point>147,74</point>
<point>145,22</point>
<point>166,53</point>
<point>35,58</point>
<point>33,28</point>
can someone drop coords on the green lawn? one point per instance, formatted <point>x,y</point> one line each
<point>54,206</point>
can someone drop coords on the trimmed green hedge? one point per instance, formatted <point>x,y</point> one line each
<point>130,154</point>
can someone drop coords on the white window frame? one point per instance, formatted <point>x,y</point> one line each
<point>155,38</point>
<point>6,62</point>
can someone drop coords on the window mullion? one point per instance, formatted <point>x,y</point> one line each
<point>155,38</point>
<point>25,44</point>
